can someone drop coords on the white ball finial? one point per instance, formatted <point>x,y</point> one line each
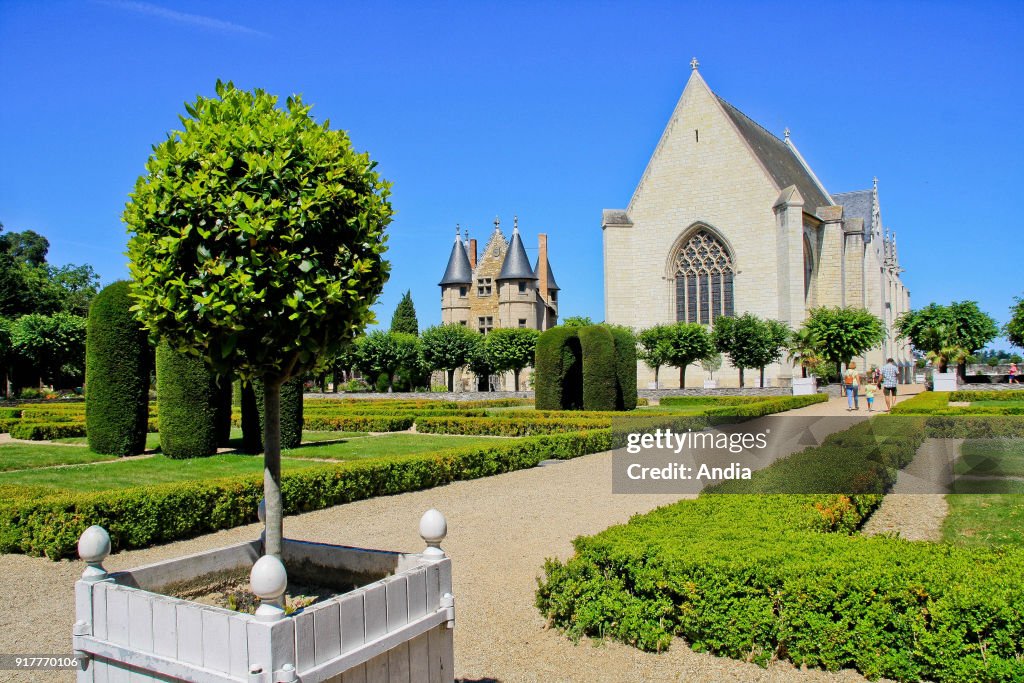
<point>94,547</point>
<point>268,580</point>
<point>433,529</point>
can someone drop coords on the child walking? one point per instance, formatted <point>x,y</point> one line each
<point>869,394</point>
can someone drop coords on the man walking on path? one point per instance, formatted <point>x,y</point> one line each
<point>889,374</point>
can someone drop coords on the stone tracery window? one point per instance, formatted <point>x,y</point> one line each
<point>704,279</point>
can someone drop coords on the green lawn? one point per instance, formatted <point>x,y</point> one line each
<point>986,512</point>
<point>152,440</point>
<point>1000,404</point>
<point>17,456</point>
<point>159,469</point>
<point>390,444</point>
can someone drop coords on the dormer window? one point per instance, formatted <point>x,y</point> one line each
<point>554,295</point>
<point>522,286</point>
<point>483,286</point>
<point>463,291</point>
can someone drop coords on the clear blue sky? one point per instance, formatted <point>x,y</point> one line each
<point>545,109</point>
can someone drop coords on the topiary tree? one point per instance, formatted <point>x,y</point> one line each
<point>404,317</point>
<point>257,246</point>
<point>654,351</point>
<point>686,343</point>
<point>558,370</point>
<point>599,368</point>
<point>383,353</point>
<point>449,347</point>
<point>843,333</point>
<point>739,338</point>
<point>188,399</point>
<point>117,367</point>
<point>625,367</point>
<point>1014,329</point>
<point>252,415</point>
<point>510,349</point>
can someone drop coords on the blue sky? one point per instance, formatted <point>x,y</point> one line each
<point>545,110</point>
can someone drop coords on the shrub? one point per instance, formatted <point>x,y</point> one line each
<point>187,398</point>
<point>625,368</point>
<point>599,368</point>
<point>558,372</point>
<point>508,426</point>
<point>35,523</point>
<point>759,577</point>
<point>117,367</point>
<point>291,415</point>
<point>922,404</point>
<point>45,431</point>
<point>359,423</point>
<point>10,413</point>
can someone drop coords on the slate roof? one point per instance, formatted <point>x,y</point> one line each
<point>458,272</point>
<point>516,265</point>
<point>778,158</point>
<point>551,276</point>
<point>859,204</point>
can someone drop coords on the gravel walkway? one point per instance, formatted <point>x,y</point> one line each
<point>500,531</point>
<point>913,509</point>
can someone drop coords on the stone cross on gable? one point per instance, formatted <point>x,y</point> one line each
<point>786,132</point>
<point>694,63</point>
<point>497,223</point>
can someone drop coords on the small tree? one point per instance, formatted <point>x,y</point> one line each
<point>803,350</point>
<point>383,353</point>
<point>686,343</point>
<point>654,351</point>
<point>740,338</point>
<point>449,347</point>
<point>843,333</point>
<point>711,364</point>
<point>771,344</point>
<point>482,366</point>
<point>257,246</point>
<point>948,333</point>
<point>404,317</point>
<point>511,349</point>
<point>577,321</point>
<point>1014,329</point>
<point>54,345</point>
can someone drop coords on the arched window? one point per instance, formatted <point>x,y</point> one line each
<point>808,266</point>
<point>704,274</point>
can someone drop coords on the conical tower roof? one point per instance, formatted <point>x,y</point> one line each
<point>551,276</point>
<point>516,265</point>
<point>458,272</point>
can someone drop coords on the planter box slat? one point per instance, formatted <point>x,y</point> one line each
<point>238,646</point>
<point>140,621</point>
<point>375,612</point>
<point>355,675</point>
<point>434,646</point>
<point>417,594</point>
<point>99,610</point>
<point>433,587</point>
<point>419,658</point>
<point>165,627</point>
<point>397,592</point>
<point>216,641</point>
<point>305,641</point>
<point>327,628</point>
<point>377,669</point>
<point>190,633</point>
<point>117,615</point>
<point>351,608</point>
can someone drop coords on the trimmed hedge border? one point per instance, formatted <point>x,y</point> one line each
<point>760,577</point>
<point>504,426</point>
<point>37,524</point>
<point>358,423</point>
<point>45,431</point>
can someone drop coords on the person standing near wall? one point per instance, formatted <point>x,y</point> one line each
<point>890,375</point>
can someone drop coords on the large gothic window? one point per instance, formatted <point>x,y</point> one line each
<point>704,274</point>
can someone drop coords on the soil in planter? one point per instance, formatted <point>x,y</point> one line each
<point>307,585</point>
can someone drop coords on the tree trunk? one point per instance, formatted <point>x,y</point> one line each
<point>451,380</point>
<point>658,367</point>
<point>762,377</point>
<point>516,375</point>
<point>682,376</point>
<point>962,370</point>
<point>272,467</point>
<point>741,378</point>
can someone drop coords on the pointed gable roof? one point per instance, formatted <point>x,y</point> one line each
<point>779,159</point>
<point>458,272</point>
<point>516,265</point>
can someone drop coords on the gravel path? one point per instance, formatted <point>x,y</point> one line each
<point>500,531</point>
<point>914,509</point>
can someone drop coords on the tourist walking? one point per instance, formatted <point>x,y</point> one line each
<point>869,394</point>
<point>1013,374</point>
<point>851,380</point>
<point>888,384</point>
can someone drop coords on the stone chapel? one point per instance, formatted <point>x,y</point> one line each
<point>728,218</point>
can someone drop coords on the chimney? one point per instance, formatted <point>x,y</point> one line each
<point>472,253</point>
<point>542,269</point>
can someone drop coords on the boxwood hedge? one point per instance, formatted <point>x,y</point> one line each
<point>291,415</point>
<point>599,368</point>
<point>117,367</point>
<point>188,397</point>
<point>625,368</point>
<point>558,371</point>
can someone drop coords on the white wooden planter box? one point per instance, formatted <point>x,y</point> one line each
<point>805,386</point>
<point>944,381</point>
<point>394,629</point>
<point>711,384</point>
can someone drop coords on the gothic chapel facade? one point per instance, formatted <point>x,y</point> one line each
<point>727,219</point>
